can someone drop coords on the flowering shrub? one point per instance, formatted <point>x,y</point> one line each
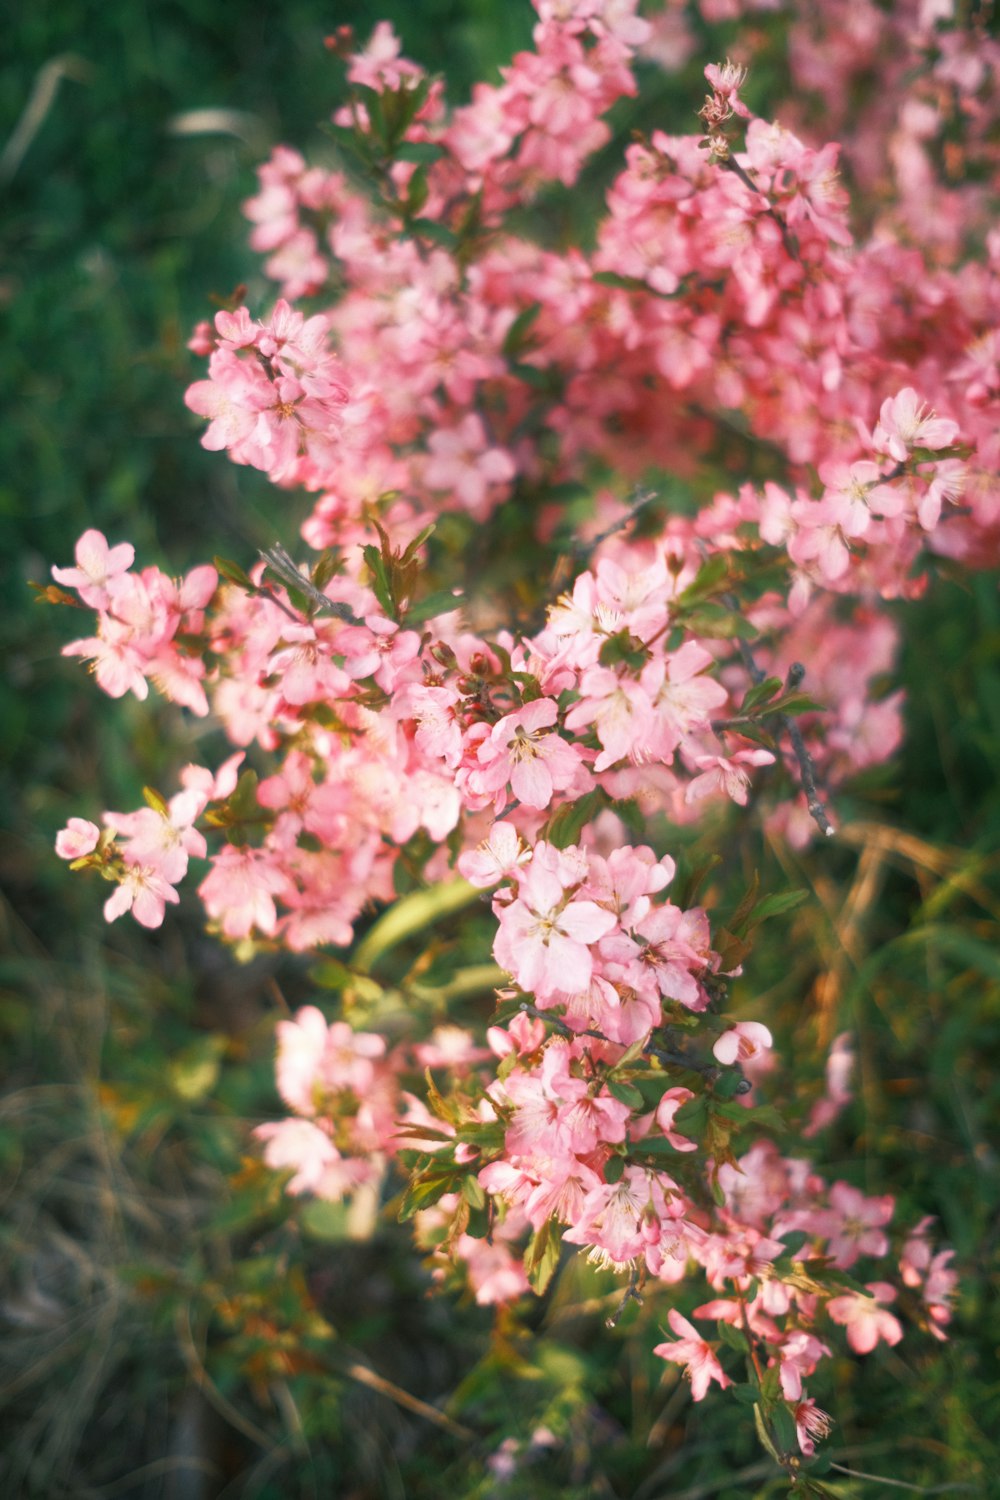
<point>725,431</point>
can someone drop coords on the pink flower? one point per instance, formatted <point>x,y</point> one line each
<point>519,751</point>
<point>745,1040</point>
<point>463,463</point>
<point>859,1223</point>
<point>905,423</point>
<point>863,1317</point>
<point>545,935</point>
<point>144,892</point>
<point>810,1423</point>
<point>725,773</point>
<point>692,1351</point>
<point>240,889</point>
<point>496,858</point>
<point>97,566</point>
<point>77,839</point>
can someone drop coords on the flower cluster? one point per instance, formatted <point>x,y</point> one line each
<point>723,322</point>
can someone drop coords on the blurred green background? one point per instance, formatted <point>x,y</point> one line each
<point>165,1324</point>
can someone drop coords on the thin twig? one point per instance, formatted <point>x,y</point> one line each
<point>958,1487</point>
<point>807,769</point>
<point>208,1387</point>
<point>364,1376</point>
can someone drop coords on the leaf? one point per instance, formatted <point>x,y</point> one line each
<point>759,736</point>
<point>692,1117</point>
<point>734,1337</point>
<point>767,1117</point>
<point>622,283</point>
<point>568,821</point>
<point>760,693</point>
<point>542,1255</point>
<point>783,1427</point>
<point>613,1169</point>
<point>441,602</point>
<point>764,1434</point>
<point>781,901</point>
<point>380,580</point>
<point>718,623</point>
<point>233,573</point>
<point>626,1093</point>
<point>424,153</point>
<point>473,1192</point>
<point>431,229</point>
<point>154,800</point>
<point>516,338</point>
<point>797,703</point>
<point>737,922</point>
<point>706,582</point>
<point>411,915</point>
<point>425,1190</point>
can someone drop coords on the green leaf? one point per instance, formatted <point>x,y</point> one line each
<point>760,693</point>
<point>542,1255</point>
<point>441,602</point>
<point>380,581</point>
<point>517,333</point>
<point>708,580</point>
<point>796,703</point>
<point>473,1193</point>
<point>425,1190</point>
<point>233,573</point>
<point>745,1394</point>
<point>324,1221</point>
<point>763,1432</point>
<point>626,1093</point>
<point>734,1337</point>
<point>431,229</point>
<point>783,1427</point>
<point>781,901</point>
<point>692,1117</point>
<point>622,283</point>
<point>154,800</point>
<point>568,821</point>
<point>767,1118</point>
<point>718,623</point>
<point>613,1169</point>
<point>758,735</point>
<point>424,153</point>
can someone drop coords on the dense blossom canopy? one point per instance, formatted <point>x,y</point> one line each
<point>728,301</point>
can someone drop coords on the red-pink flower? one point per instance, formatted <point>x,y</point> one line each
<point>695,1353</point>
<point>865,1318</point>
<point>521,752</point>
<point>97,566</point>
<point>77,839</point>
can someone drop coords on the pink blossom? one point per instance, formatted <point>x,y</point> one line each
<point>496,858</point>
<point>865,1319</point>
<point>905,423</point>
<point>520,752</point>
<point>545,935</point>
<point>725,773</point>
<point>695,1353</point>
<point>144,892</point>
<point>97,566</point>
<point>77,839</point>
<point>745,1040</point>
<point>859,1223</point>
